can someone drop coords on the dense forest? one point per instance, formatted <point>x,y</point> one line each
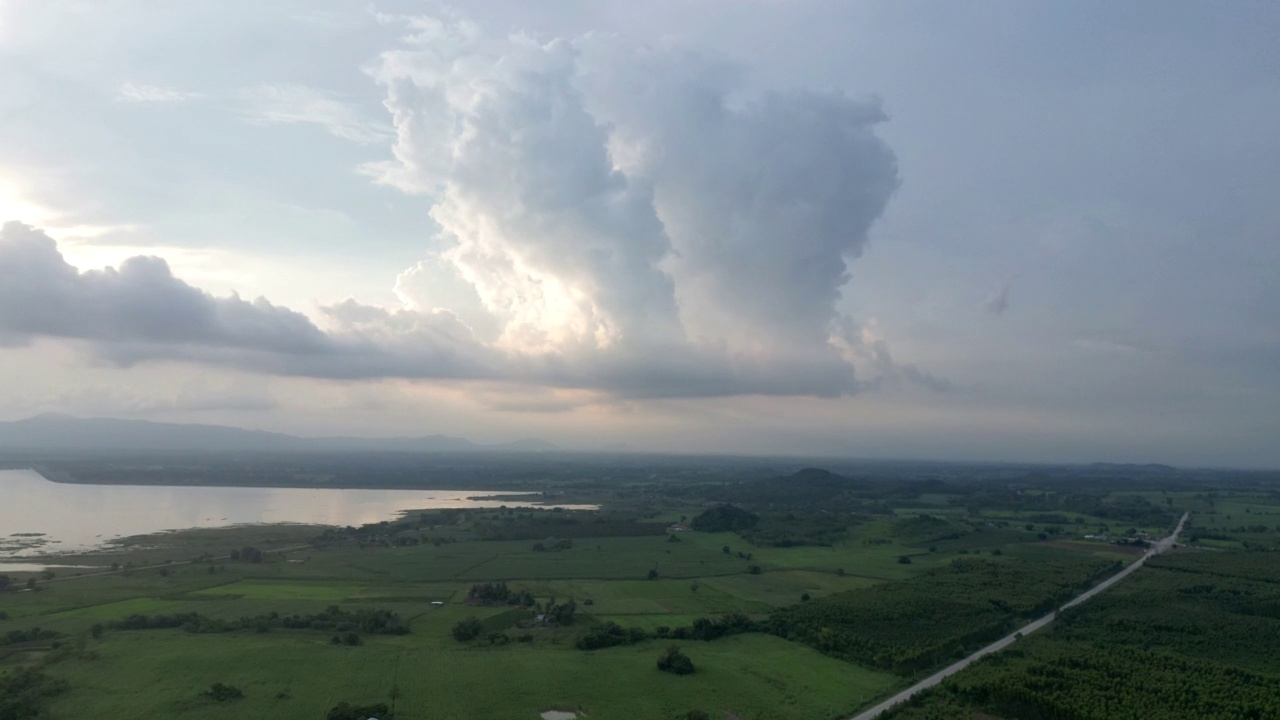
<point>1192,636</point>
<point>917,624</point>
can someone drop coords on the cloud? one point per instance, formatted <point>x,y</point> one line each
<point>627,221</point>
<point>864,347</point>
<point>636,204</point>
<point>294,104</point>
<point>40,294</point>
<point>139,93</point>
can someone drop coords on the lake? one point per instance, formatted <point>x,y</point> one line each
<point>38,516</point>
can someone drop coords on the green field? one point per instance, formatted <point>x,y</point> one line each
<point>827,600</point>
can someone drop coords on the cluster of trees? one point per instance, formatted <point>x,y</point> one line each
<point>334,618</point>
<point>554,613</point>
<point>611,634</point>
<point>1127,509</point>
<point>13,637</point>
<point>467,629</point>
<point>248,554</point>
<point>6,582</point>
<point>916,624</point>
<point>541,524</point>
<point>24,692</point>
<point>499,594</point>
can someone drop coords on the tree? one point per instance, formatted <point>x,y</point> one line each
<point>4,582</point>
<point>31,583</point>
<point>904,559</point>
<point>755,570</point>
<point>804,597</point>
<point>675,662</point>
<point>653,574</point>
<point>468,629</point>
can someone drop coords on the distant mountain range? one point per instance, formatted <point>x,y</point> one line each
<point>54,432</point>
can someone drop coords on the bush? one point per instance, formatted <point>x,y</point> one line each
<point>347,711</point>
<point>675,662</point>
<point>468,629</point>
<point>904,559</point>
<point>222,693</point>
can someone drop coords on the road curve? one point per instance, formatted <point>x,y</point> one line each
<point>1161,546</point>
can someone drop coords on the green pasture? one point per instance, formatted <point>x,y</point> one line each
<point>301,675</point>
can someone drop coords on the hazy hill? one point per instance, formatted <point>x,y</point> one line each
<point>64,433</point>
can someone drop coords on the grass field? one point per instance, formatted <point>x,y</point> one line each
<point>300,675</point>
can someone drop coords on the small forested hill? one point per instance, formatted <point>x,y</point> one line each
<point>724,518</point>
<point>806,488</point>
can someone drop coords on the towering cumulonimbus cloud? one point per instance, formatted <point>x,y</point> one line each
<point>598,195</point>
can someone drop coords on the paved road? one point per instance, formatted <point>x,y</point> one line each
<point>1160,547</point>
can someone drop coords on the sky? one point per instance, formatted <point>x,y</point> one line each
<point>1022,231</point>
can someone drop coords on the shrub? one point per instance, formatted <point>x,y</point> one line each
<point>468,629</point>
<point>675,662</point>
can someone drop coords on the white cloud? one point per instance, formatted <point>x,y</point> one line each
<point>140,93</point>
<point>602,198</point>
<point>298,104</point>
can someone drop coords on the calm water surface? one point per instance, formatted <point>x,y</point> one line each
<point>38,516</point>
